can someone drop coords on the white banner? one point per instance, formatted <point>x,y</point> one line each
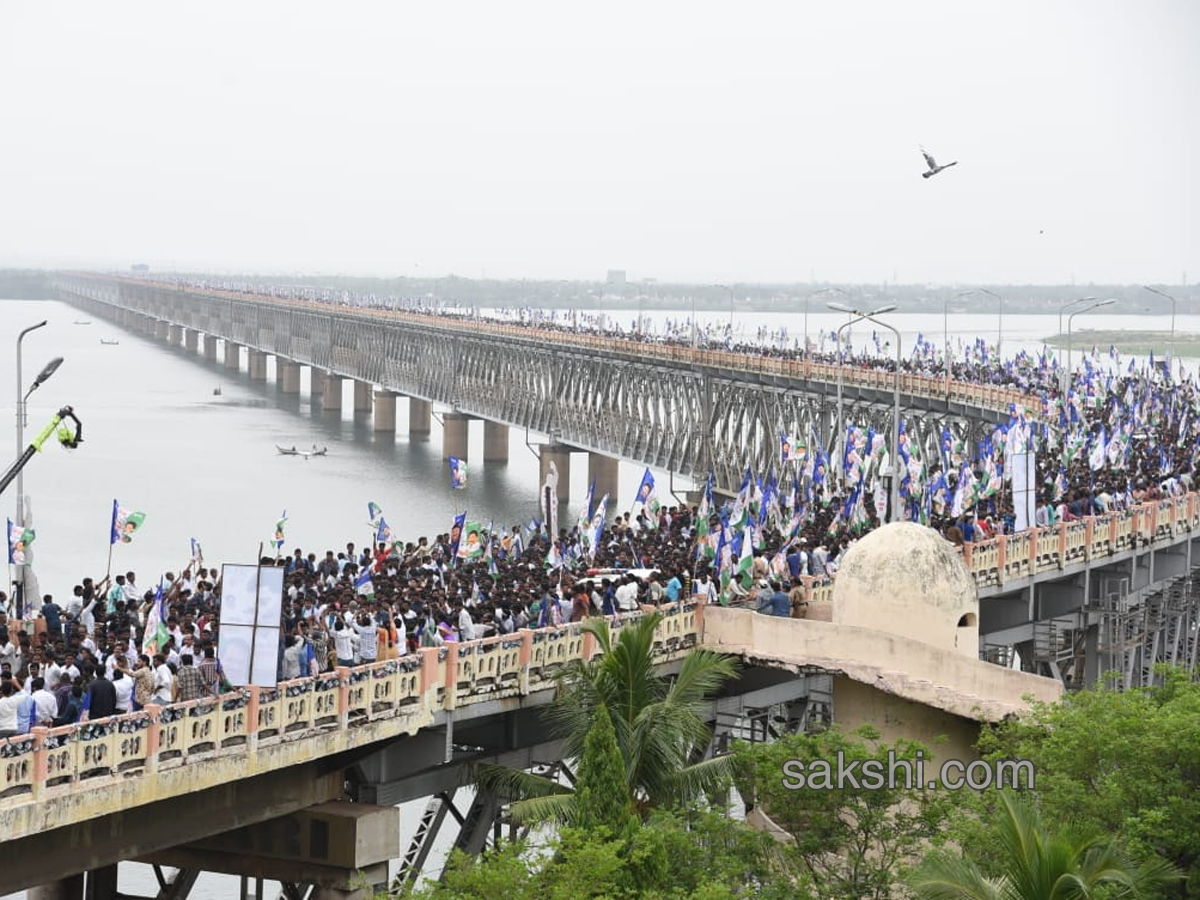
<point>1024,488</point>
<point>251,619</point>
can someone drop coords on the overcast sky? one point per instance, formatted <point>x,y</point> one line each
<point>679,141</point>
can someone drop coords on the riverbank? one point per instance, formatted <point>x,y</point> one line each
<point>1130,341</point>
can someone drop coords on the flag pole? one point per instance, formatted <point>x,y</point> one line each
<point>254,630</point>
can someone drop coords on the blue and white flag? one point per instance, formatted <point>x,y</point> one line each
<point>456,532</point>
<point>124,523</point>
<point>384,533</point>
<point>374,511</point>
<point>364,578</point>
<point>585,514</point>
<point>458,473</point>
<point>596,527</point>
<point>19,540</point>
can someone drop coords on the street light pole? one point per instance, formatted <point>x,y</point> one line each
<point>1171,346</point>
<point>999,323</point>
<point>839,437</point>
<point>828,290</point>
<point>1071,318</point>
<point>895,452</point>
<point>1062,388</point>
<point>946,336</point>
<point>21,395</point>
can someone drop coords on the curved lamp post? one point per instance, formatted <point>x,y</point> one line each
<point>726,287</point>
<point>839,307</point>
<point>946,335</point>
<point>1070,319</point>
<point>1171,346</point>
<point>828,290</point>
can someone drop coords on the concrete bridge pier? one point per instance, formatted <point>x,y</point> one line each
<point>191,340</point>
<point>331,396</point>
<point>420,417</point>
<point>560,455</point>
<point>316,384</point>
<point>210,347</point>
<point>258,365</point>
<point>287,376</point>
<point>385,411</point>
<point>455,431</point>
<point>233,356</point>
<point>175,334</point>
<point>162,330</point>
<point>495,442</point>
<point>605,470</point>
<point>362,397</point>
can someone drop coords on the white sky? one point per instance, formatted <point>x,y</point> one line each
<point>681,141</point>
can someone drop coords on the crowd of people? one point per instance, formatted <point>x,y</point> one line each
<point>1117,437</point>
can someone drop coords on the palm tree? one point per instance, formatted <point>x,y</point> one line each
<point>660,725</point>
<point>1038,865</point>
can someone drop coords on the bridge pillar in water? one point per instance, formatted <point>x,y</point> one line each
<point>420,415</point>
<point>495,442</point>
<point>258,365</point>
<point>233,356</point>
<point>287,376</point>
<point>560,455</point>
<point>605,470</point>
<point>191,340</point>
<point>162,329</point>
<point>331,397</point>
<point>316,383</point>
<point>385,411</point>
<point>455,429</point>
<point>362,396</point>
<point>210,347</point>
<point>175,334</point>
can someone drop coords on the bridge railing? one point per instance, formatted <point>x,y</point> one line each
<point>405,690</point>
<point>1040,550</point>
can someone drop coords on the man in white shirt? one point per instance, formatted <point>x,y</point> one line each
<point>45,703</point>
<point>627,595</point>
<point>164,681</point>
<point>343,644</point>
<point>466,627</point>
<point>123,685</point>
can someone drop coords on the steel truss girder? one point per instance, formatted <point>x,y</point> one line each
<point>688,420</point>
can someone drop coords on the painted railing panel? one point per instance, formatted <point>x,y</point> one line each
<point>47,762</point>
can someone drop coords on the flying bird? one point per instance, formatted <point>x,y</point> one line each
<point>934,168</point>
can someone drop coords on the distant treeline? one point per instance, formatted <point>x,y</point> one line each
<point>25,284</point>
<point>647,296</point>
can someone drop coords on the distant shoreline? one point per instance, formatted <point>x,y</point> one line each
<point>1138,343</point>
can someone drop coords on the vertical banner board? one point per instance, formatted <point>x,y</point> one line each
<point>251,620</point>
<point>1024,489</point>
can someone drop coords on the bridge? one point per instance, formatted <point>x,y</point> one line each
<point>689,411</point>
<point>1069,601</point>
<point>409,728</point>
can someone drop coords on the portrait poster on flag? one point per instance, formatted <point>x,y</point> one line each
<point>250,624</point>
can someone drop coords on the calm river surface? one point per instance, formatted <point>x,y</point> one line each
<point>205,467</point>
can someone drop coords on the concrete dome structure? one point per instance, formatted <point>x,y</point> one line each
<point>906,579</point>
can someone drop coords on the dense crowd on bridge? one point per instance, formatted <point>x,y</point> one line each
<point>1119,436</point>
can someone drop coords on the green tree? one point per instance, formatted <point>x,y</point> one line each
<point>601,794</point>
<point>849,841</point>
<point>692,856</point>
<point>1038,865</point>
<point>1125,763</point>
<point>659,724</point>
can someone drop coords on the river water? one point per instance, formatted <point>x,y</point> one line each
<point>205,467</point>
